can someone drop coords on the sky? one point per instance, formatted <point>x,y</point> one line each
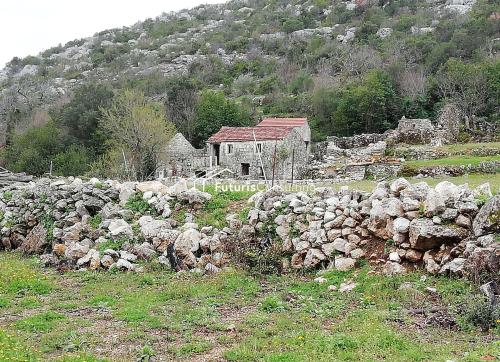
<point>28,27</point>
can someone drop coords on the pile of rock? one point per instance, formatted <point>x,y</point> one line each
<point>399,224</point>
<point>88,225</point>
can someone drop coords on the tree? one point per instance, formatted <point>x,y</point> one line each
<point>33,151</point>
<point>181,102</point>
<point>80,117</point>
<point>215,111</point>
<point>140,127</point>
<point>465,85</point>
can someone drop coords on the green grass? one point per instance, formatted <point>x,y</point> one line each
<point>138,205</point>
<point>94,316</point>
<point>465,147</point>
<point>215,211</point>
<point>452,161</point>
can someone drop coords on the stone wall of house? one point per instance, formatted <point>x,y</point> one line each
<point>244,153</point>
<point>415,131</point>
<point>182,159</point>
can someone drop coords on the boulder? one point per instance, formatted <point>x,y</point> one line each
<point>424,234</point>
<point>434,203</point>
<point>76,251</point>
<point>313,258</point>
<point>151,228</point>
<point>344,264</point>
<point>392,268</point>
<point>125,255</point>
<point>35,241</point>
<point>399,185</point>
<point>401,225</point>
<point>463,221</point>
<point>194,197</point>
<point>156,187</point>
<point>144,251</point>
<point>186,244</point>
<point>488,218</point>
<point>107,261</point>
<point>125,265</point>
<point>119,227</point>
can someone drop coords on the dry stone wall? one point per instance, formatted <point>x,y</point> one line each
<point>73,224</point>
<point>399,225</point>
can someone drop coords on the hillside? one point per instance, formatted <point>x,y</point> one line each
<point>350,67</point>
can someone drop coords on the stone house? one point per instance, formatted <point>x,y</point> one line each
<point>299,124</point>
<point>251,152</point>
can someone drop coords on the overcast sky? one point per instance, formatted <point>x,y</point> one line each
<point>28,27</point>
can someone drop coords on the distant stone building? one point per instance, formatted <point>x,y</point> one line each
<point>415,130</point>
<point>253,152</point>
<point>182,159</point>
<point>299,124</point>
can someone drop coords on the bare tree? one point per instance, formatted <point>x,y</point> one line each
<point>141,127</point>
<point>464,85</point>
<point>412,82</point>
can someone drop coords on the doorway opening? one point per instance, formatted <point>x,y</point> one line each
<point>245,169</point>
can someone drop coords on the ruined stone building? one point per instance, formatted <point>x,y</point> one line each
<point>182,159</point>
<point>253,152</point>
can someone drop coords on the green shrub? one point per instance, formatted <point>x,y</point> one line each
<point>272,304</point>
<point>137,204</point>
<point>7,195</point>
<point>48,223</point>
<point>95,221</point>
<point>114,244</point>
<point>482,313</point>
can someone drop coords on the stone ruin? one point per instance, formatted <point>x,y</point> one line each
<point>361,156</point>
<point>354,158</point>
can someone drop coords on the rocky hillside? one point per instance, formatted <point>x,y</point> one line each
<point>275,57</point>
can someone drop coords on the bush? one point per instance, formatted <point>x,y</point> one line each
<point>72,162</point>
<point>482,313</point>
<point>137,204</point>
<point>32,151</point>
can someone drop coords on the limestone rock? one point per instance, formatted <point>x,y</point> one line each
<point>424,234</point>
<point>344,264</point>
<point>392,268</point>
<point>35,241</point>
<point>119,227</point>
<point>488,219</point>
<point>313,258</point>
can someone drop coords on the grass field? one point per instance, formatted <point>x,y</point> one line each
<point>233,316</point>
<point>452,161</point>
<point>465,147</point>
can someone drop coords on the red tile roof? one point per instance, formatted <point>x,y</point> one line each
<point>236,134</point>
<point>283,122</point>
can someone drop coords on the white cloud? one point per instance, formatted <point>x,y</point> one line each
<point>31,26</point>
